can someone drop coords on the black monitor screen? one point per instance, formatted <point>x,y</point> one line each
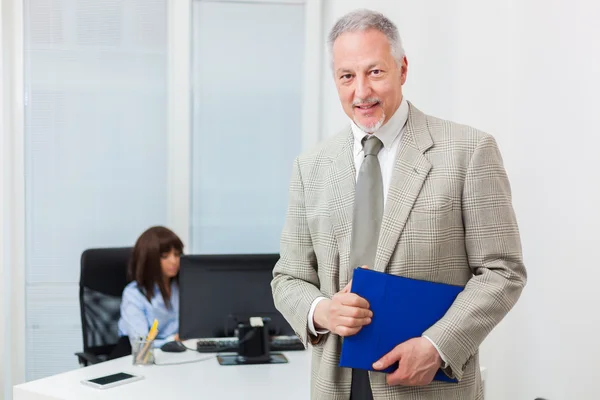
<point>218,291</point>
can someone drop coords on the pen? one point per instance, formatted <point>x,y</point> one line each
<point>149,339</point>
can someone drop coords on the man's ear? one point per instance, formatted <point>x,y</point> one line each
<point>404,70</point>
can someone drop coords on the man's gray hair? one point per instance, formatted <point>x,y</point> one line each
<point>362,20</point>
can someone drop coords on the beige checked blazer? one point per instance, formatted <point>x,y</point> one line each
<point>448,218</point>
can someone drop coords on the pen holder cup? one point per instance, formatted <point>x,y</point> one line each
<point>142,351</point>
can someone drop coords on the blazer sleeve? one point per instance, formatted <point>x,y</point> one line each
<point>494,255</point>
<point>295,283</point>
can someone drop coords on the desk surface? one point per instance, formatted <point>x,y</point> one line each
<point>203,379</point>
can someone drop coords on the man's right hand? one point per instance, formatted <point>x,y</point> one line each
<point>345,314</point>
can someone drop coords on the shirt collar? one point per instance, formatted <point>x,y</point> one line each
<point>387,133</point>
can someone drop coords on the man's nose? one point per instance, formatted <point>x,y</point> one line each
<point>363,88</point>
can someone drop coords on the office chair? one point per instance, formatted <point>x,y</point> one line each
<point>102,281</point>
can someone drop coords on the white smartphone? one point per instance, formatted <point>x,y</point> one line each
<point>108,381</point>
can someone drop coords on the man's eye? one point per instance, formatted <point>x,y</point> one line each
<point>346,77</point>
<point>376,72</point>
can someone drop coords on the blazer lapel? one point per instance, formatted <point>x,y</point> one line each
<point>340,188</point>
<point>410,170</point>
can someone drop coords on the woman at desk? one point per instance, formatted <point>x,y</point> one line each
<point>153,292</point>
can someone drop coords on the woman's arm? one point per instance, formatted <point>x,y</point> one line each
<point>134,322</point>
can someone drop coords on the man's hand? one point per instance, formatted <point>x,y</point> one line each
<point>345,314</point>
<point>419,361</point>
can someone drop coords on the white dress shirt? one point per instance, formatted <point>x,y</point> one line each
<point>390,135</point>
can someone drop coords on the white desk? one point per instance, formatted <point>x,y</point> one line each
<point>201,380</point>
<point>204,379</point>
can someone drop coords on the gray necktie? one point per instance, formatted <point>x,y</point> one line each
<point>368,206</point>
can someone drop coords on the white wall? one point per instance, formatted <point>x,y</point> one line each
<point>4,293</point>
<point>12,352</point>
<point>527,72</point>
<point>554,146</point>
<point>4,286</point>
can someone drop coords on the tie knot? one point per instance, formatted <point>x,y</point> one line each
<point>371,145</point>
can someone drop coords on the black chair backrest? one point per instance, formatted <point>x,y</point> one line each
<point>102,281</point>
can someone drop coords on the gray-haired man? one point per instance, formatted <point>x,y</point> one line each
<point>405,193</point>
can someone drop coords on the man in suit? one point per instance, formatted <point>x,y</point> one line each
<point>404,193</point>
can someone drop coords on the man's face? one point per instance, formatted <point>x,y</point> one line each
<point>368,78</point>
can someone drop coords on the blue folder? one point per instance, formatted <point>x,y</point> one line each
<point>403,309</point>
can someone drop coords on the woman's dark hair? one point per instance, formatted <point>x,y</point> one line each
<point>144,266</point>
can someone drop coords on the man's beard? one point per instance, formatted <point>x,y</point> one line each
<point>372,128</point>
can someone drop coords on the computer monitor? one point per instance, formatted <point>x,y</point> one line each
<point>218,291</point>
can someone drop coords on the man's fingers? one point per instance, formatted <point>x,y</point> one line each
<point>353,322</point>
<point>355,312</point>
<point>398,377</point>
<point>347,288</point>
<point>389,359</point>
<point>354,300</point>
<point>346,330</point>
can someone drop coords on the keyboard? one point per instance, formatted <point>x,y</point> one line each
<point>230,344</point>
<point>286,343</point>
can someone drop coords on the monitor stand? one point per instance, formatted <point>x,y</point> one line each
<point>236,359</point>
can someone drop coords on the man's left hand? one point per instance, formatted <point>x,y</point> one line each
<point>418,363</point>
